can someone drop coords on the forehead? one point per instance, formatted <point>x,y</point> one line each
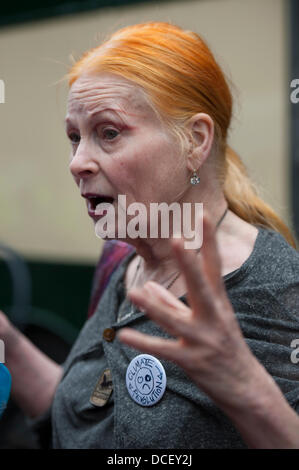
<point>91,93</point>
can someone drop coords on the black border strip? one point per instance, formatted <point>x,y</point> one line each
<point>33,11</point>
<point>294,137</point>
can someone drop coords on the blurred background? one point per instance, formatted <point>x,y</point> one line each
<point>48,249</point>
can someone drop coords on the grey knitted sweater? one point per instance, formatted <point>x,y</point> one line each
<point>264,292</point>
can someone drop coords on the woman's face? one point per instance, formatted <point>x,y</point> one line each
<point>119,145</point>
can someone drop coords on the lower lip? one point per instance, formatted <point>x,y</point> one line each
<point>92,212</point>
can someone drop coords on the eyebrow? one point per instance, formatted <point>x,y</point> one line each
<point>68,120</point>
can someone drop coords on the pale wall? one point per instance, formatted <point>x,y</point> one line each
<point>42,214</point>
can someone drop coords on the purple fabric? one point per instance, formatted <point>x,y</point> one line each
<point>113,253</point>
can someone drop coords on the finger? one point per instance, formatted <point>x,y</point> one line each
<point>210,254</point>
<point>175,320</point>
<point>167,348</point>
<point>199,291</point>
<point>167,297</point>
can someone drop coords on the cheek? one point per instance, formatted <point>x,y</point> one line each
<point>127,171</point>
<point>146,170</point>
<point>151,162</point>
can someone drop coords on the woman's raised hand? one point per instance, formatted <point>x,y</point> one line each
<point>208,343</point>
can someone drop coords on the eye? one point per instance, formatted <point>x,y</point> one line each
<point>74,138</point>
<point>110,134</point>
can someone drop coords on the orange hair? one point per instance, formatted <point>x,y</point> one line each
<point>181,77</point>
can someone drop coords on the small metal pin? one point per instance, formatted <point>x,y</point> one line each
<point>102,390</point>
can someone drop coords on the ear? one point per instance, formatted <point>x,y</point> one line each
<point>201,129</point>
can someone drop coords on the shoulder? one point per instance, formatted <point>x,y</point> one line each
<point>264,292</point>
<point>272,262</point>
<point>275,257</point>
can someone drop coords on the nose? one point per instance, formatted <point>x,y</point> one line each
<point>82,163</point>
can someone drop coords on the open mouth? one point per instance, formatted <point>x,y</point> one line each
<point>93,202</point>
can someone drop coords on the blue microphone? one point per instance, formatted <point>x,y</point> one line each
<point>5,386</point>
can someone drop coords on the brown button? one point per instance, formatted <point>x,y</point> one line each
<point>109,334</point>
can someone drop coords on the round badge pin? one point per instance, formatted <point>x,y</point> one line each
<point>146,380</point>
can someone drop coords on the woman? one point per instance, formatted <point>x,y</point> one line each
<point>148,116</point>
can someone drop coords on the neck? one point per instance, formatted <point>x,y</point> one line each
<point>158,262</point>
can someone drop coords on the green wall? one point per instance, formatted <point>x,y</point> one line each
<point>59,295</point>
